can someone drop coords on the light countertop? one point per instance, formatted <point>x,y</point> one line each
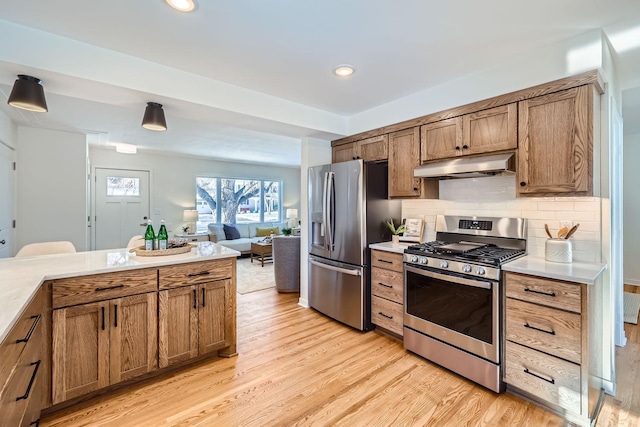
<point>391,247</point>
<point>20,278</point>
<point>579,272</point>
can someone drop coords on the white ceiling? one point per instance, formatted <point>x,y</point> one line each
<point>287,50</point>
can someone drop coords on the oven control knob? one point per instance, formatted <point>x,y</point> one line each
<point>466,268</point>
<point>414,258</point>
<point>444,264</point>
<point>424,260</point>
<point>481,271</point>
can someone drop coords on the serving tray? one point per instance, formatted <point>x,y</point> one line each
<point>141,251</point>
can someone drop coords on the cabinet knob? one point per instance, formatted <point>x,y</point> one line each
<point>465,146</point>
<point>353,158</point>
<point>457,147</point>
<point>415,188</point>
<point>522,184</point>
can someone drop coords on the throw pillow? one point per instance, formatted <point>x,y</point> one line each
<point>218,231</point>
<point>231,232</point>
<point>266,231</point>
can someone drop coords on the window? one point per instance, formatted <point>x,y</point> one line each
<point>237,201</point>
<point>121,186</point>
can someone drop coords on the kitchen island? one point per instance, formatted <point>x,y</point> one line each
<point>94,319</point>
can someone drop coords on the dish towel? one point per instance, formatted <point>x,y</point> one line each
<point>631,307</point>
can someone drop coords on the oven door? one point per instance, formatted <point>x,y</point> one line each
<point>460,311</point>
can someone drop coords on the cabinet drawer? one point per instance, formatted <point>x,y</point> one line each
<point>100,287</point>
<point>546,329</point>
<point>387,260</point>
<point>24,331</point>
<point>23,383</point>
<point>386,314</point>
<point>552,293</point>
<point>387,284</point>
<point>546,377</point>
<point>194,273</point>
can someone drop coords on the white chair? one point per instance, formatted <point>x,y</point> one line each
<point>136,241</point>
<point>46,248</point>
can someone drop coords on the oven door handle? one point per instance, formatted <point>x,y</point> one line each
<point>450,278</point>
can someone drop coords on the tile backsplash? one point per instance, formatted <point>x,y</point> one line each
<point>496,196</point>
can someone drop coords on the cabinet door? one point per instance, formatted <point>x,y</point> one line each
<point>490,130</point>
<point>133,345</point>
<point>212,315</point>
<point>80,350</point>
<point>178,325</point>
<point>556,144</point>
<point>441,140</point>
<point>343,153</point>
<point>404,156</point>
<point>373,149</point>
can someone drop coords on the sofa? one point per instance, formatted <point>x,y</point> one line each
<point>246,234</point>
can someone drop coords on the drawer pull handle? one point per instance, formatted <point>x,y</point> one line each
<point>527,371</point>
<point>108,288</point>
<point>195,299</point>
<point>527,325</point>
<point>33,378</point>
<point>385,285</point>
<point>33,327</point>
<point>385,261</point>
<point>202,273</point>
<point>549,294</point>
<point>203,297</point>
<point>115,315</point>
<point>384,315</point>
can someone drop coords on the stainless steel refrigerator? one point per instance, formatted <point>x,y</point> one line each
<point>348,210</point>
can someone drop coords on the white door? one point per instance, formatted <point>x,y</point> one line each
<point>6,201</point>
<point>122,206</point>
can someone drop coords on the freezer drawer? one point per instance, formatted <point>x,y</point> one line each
<point>338,290</point>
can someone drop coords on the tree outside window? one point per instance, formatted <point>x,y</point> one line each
<point>237,201</point>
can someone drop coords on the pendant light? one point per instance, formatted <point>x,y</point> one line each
<point>154,117</point>
<point>28,94</point>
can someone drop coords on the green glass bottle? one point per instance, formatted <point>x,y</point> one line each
<point>149,237</point>
<point>163,237</point>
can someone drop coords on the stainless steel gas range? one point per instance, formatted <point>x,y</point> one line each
<point>453,295</point>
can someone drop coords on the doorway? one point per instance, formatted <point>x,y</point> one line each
<point>121,206</point>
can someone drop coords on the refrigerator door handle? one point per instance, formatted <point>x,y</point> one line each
<point>334,268</point>
<point>329,209</point>
<point>325,187</point>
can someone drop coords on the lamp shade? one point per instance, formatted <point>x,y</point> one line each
<point>154,117</point>
<point>28,94</point>
<point>292,213</point>
<point>190,215</point>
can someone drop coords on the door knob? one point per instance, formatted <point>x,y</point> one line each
<point>2,242</point>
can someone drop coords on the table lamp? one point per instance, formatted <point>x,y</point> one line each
<point>190,216</point>
<point>292,215</point>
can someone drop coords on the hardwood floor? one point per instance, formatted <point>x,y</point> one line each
<point>296,367</point>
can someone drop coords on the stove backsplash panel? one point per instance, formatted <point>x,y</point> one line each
<point>495,197</point>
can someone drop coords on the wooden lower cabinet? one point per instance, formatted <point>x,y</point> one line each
<point>98,344</point>
<point>195,320</point>
<point>387,291</point>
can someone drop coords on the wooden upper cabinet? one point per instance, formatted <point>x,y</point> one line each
<point>555,154</point>
<point>441,140</point>
<point>370,150</point>
<point>344,153</point>
<point>495,129</point>
<point>404,157</point>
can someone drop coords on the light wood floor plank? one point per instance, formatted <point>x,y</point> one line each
<point>296,367</point>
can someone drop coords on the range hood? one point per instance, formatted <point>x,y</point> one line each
<point>468,167</point>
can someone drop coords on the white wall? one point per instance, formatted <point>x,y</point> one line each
<point>631,209</point>
<point>52,187</point>
<point>8,143</point>
<point>173,179</point>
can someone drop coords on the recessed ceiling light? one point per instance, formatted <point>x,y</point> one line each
<point>182,5</point>
<point>344,70</point>
<point>121,147</point>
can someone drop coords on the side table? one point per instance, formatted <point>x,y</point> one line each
<point>261,250</point>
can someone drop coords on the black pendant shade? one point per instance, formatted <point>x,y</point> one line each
<point>154,117</point>
<point>28,94</point>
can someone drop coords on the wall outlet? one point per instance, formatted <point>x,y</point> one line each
<point>567,224</point>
